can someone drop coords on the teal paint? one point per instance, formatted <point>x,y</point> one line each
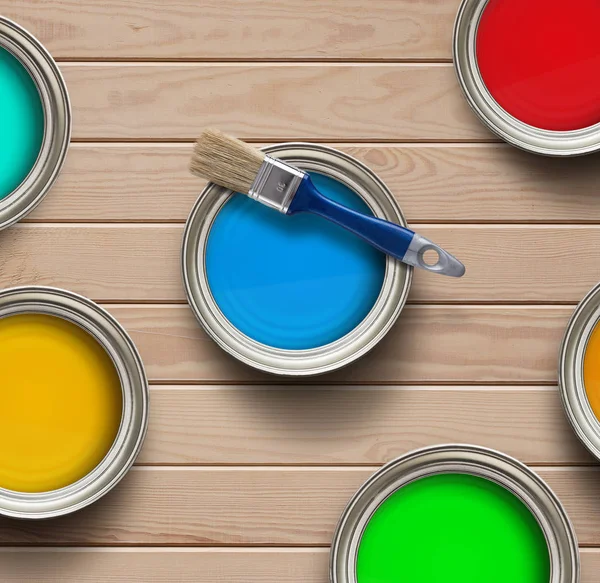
<point>21,123</point>
<point>292,282</point>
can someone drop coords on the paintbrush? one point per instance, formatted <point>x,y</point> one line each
<point>238,166</point>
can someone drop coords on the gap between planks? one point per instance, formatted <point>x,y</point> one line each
<point>108,143</point>
<point>578,467</point>
<point>199,550</point>
<point>129,549</point>
<point>470,226</point>
<point>310,381</point>
<point>254,63</point>
<point>102,60</point>
<point>424,224</point>
<point>286,139</point>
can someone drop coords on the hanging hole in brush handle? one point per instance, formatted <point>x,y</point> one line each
<point>446,263</point>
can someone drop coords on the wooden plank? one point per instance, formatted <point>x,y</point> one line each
<point>432,183</point>
<point>234,29</point>
<point>514,264</point>
<point>142,262</point>
<point>341,425</point>
<point>161,565</point>
<point>249,506</point>
<point>428,344</point>
<point>164,565</point>
<point>590,565</point>
<point>270,102</point>
<point>102,262</point>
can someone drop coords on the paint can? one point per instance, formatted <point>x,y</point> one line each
<point>527,136</point>
<point>44,72</point>
<point>437,461</point>
<point>111,336</point>
<point>388,303</point>
<point>572,386</point>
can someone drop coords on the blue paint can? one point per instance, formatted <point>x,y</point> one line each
<point>294,295</point>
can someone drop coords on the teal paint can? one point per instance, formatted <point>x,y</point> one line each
<point>35,117</point>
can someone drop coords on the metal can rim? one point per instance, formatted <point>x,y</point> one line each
<point>57,121</point>
<point>494,117</point>
<point>493,465</point>
<point>578,410</point>
<point>110,334</point>
<point>296,363</point>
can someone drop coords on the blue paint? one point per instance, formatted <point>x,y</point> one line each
<point>292,282</point>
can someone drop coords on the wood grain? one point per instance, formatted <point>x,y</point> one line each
<point>341,425</point>
<point>428,344</point>
<point>142,262</point>
<point>484,183</point>
<point>102,262</point>
<point>165,565</point>
<point>270,102</point>
<point>234,29</point>
<point>250,506</point>
<point>162,565</point>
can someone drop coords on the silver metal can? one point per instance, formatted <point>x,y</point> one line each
<point>570,371</point>
<point>134,419</point>
<point>498,120</point>
<point>392,297</point>
<point>462,459</point>
<point>50,84</point>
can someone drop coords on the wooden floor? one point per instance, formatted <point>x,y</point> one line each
<point>242,478</point>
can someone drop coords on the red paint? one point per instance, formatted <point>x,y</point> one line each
<point>540,59</point>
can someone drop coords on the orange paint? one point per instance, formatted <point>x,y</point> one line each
<point>591,370</point>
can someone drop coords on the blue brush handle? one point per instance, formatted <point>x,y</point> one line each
<point>392,239</point>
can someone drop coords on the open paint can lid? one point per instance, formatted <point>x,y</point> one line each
<point>529,69</point>
<point>454,513</point>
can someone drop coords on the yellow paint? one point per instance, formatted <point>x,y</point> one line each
<point>591,370</point>
<point>60,403</point>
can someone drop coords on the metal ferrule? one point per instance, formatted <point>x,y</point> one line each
<point>276,184</point>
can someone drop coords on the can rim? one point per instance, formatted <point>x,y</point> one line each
<point>487,463</point>
<point>364,337</point>
<point>56,105</point>
<point>577,407</point>
<point>110,334</point>
<point>497,119</point>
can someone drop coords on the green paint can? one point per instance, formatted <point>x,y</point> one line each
<point>454,514</point>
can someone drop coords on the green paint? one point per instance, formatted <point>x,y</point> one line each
<point>453,528</point>
<point>21,123</point>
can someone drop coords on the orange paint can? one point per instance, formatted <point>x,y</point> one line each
<point>579,371</point>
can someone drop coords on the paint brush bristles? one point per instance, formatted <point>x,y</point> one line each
<point>226,161</point>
